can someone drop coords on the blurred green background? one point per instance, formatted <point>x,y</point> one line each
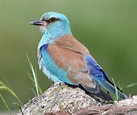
<point>108,28</point>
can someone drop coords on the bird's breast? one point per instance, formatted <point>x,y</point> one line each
<point>51,66</point>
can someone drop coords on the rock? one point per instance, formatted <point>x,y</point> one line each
<point>57,98</point>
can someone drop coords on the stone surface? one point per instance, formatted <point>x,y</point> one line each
<point>57,98</point>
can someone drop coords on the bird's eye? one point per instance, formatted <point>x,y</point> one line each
<point>53,19</point>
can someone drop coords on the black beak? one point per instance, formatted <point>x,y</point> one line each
<point>38,23</point>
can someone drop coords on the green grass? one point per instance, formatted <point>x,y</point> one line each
<point>5,103</point>
<point>131,85</point>
<point>116,99</point>
<point>34,78</point>
<point>6,87</point>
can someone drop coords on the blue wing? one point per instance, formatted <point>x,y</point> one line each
<point>100,76</point>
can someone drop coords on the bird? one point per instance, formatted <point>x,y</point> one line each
<point>62,58</point>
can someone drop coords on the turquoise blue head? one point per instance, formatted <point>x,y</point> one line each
<point>54,24</point>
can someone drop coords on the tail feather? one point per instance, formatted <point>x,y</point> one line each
<point>99,93</point>
<point>113,89</point>
<point>104,96</point>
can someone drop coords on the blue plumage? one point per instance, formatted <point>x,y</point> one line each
<point>100,76</point>
<point>52,67</point>
<point>95,69</point>
<point>67,60</point>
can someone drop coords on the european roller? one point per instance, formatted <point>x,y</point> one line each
<point>62,58</point>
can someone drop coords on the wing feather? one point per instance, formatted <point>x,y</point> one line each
<point>68,54</point>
